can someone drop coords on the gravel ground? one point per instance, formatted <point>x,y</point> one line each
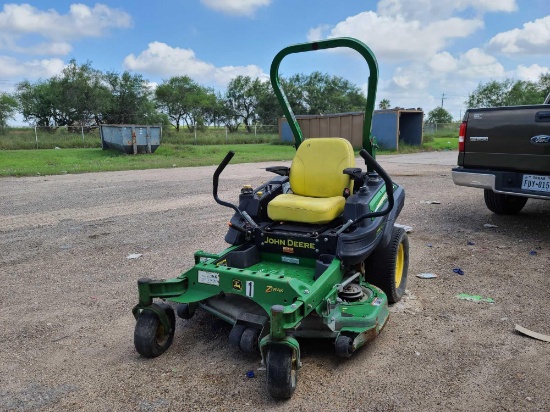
<point>68,289</point>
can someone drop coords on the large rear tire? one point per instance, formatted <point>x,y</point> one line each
<point>503,204</point>
<point>387,267</point>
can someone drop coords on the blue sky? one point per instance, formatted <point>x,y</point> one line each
<point>424,47</point>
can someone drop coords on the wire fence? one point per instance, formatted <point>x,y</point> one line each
<point>17,138</point>
<point>441,129</point>
<point>13,138</point>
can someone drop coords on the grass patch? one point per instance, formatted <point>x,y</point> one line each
<point>53,162</point>
<point>442,143</point>
<point>169,154</point>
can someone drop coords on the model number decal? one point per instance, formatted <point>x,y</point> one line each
<point>270,289</point>
<point>292,260</point>
<point>479,138</point>
<point>209,278</point>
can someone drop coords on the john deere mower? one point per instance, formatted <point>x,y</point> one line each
<point>313,252</point>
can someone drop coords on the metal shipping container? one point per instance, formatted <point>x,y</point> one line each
<point>130,138</point>
<point>388,126</point>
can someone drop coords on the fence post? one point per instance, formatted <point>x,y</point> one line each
<point>254,130</point>
<point>225,134</point>
<point>36,136</point>
<point>82,128</point>
<point>195,130</point>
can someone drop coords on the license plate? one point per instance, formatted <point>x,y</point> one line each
<point>536,183</point>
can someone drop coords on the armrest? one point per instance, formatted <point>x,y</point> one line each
<point>280,170</point>
<point>354,172</point>
<point>357,175</point>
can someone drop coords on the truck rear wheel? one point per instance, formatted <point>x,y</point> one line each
<point>503,204</point>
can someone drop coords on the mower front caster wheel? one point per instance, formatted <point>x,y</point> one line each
<point>151,339</point>
<point>184,312</point>
<point>235,336</point>
<point>344,346</point>
<point>281,371</point>
<point>249,340</point>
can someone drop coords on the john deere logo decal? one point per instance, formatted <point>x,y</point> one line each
<point>237,284</point>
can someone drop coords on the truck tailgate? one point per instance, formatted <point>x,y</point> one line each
<point>503,139</point>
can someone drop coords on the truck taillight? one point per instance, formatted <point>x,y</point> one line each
<point>461,136</point>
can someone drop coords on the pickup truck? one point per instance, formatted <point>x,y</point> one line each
<point>506,152</point>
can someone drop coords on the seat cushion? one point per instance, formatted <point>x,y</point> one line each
<point>295,208</point>
<point>317,167</point>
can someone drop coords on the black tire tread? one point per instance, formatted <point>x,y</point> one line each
<point>380,266</point>
<point>145,332</point>
<point>278,371</point>
<point>249,340</point>
<point>502,204</point>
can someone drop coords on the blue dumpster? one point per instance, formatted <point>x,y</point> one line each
<point>130,138</point>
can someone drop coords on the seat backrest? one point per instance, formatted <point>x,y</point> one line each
<point>316,169</point>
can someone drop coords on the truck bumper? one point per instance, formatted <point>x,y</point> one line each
<point>507,183</point>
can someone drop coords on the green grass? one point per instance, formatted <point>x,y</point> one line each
<point>169,154</point>
<point>53,162</point>
<point>442,143</point>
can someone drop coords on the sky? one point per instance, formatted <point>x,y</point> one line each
<point>429,52</point>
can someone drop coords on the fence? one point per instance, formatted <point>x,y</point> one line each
<point>13,138</point>
<point>441,129</point>
<point>205,134</point>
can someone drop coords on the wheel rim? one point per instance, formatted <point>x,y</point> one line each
<point>399,264</point>
<point>293,372</point>
<point>161,336</point>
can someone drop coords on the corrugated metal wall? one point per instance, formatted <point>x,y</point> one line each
<point>346,125</point>
<point>389,126</point>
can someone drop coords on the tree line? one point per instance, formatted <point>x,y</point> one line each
<point>508,92</point>
<point>82,96</point>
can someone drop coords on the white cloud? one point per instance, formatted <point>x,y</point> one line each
<point>236,7</point>
<point>429,10</point>
<point>531,73</point>
<point>21,20</point>
<point>443,62</point>
<point>163,60</point>
<point>317,33</point>
<point>400,39</point>
<point>533,38</point>
<point>475,63</point>
<point>46,68</point>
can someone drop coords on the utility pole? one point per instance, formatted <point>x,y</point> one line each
<point>443,98</point>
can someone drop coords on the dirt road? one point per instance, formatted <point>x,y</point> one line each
<point>68,288</point>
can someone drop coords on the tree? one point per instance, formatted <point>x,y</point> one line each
<point>130,101</point>
<point>439,115</point>
<point>80,95</point>
<point>77,96</point>
<point>170,97</point>
<point>509,92</point>
<point>184,100</point>
<point>37,103</point>
<point>242,99</point>
<point>384,104</point>
<point>319,93</point>
<point>8,108</point>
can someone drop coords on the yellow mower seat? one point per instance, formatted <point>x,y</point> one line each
<point>317,182</point>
